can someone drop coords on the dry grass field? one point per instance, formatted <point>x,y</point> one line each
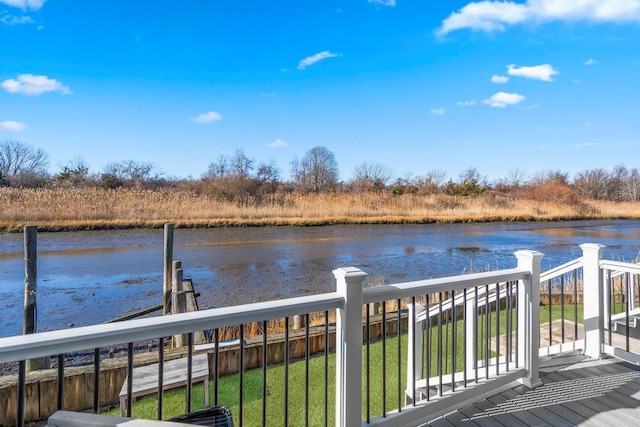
<point>94,208</point>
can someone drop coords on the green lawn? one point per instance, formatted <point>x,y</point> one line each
<point>174,401</point>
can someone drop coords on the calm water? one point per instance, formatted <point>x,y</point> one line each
<point>90,277</point>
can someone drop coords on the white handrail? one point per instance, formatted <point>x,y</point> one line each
<point>444,284</point>
<point>561,269</point>
<point>617,266</point>
<point>24,347</point>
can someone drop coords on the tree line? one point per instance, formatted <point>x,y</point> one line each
<point>240,178</point>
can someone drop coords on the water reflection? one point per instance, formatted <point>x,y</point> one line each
<point>91,277</point>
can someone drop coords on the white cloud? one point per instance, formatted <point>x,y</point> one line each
<point>310,60</point>
<point>587,145</point>
<point>576,81</point>
<point>12,126</point>
<point>389,3</point>
<point>16,20</point>
<point>208,117</point>
<point>503,99</point>
<point>438,111</point>
<point>543,72</point>
<point>494,15</point>
<point>591,61</point>
<point>29,84</point>
<point>24,4</point>
<point>468,103</point>
<point>278,143</point>
<point>499,79</point>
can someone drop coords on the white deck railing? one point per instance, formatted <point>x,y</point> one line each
<point>520,286</point>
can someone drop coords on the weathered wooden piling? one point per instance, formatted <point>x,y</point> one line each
<point>177,299</point>
<point>30,291</point>
<point>168,265</point>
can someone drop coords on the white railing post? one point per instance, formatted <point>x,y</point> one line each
<point>529,316</point>
<point>414,354</point>
<point>593,299</point>
<point>349,283</point>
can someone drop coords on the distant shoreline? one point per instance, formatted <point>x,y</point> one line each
<point>231,223</point>
<point>68,209</point>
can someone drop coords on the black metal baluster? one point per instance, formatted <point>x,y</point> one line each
<point>562,306</point>
<point>326,368</point>
<point>487,341</point>
<point>189,392</point>
<point>241,377</point>
<point>497,329</point>
<point>384,358</point>
<point>464,336</point>
<point>509,320</point>
<point>610,292</point>
<point>307,355</point>
<point>413,349</point>
<point>368,363</point>
<point>160,375</point>
<point>454,341</point>
<point>265,355</point>
<point>476,347</point>
<point>129,378</point>
<point>286,371</point>
<point>20,398</point>
<point>399,357</point>
<point>428,349</point>
<point>60,381</point>
<point>440,344</point>
<point>96,379</point>
<point>216,367</point>
<point>446,340</point>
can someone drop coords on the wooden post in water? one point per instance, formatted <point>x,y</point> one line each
<point>168,261</point>
<point>176,307</point>
<point>30,290</point>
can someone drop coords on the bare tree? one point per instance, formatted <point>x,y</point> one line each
<point>516,177</point>
<point>616,182</point>
<point>317,171</point>
<point>550,177</point>
<point>21,164</point>
<point>631,186</point>
<point>268,172</point>
<point>128,172</point>
<point>137,171</point>
<point>432,181</point>
<point>593,184</point>
<point>371,176</point>
<point>217,169</point>
<point>241,165</point>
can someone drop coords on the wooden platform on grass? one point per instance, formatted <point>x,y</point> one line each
<point>575,391</point>
<point>145,378</point>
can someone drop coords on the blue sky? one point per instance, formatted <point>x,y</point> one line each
<point>416,85</point>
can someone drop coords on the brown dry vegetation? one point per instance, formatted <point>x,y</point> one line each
<point>96,208</point>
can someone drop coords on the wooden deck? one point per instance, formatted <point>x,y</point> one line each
<point>576,391</point>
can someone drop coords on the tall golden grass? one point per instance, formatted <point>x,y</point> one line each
<point>95,208</point>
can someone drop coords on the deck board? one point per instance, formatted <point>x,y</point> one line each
<point>575,391</point>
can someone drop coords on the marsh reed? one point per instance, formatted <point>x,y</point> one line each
<point>96,208</point>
